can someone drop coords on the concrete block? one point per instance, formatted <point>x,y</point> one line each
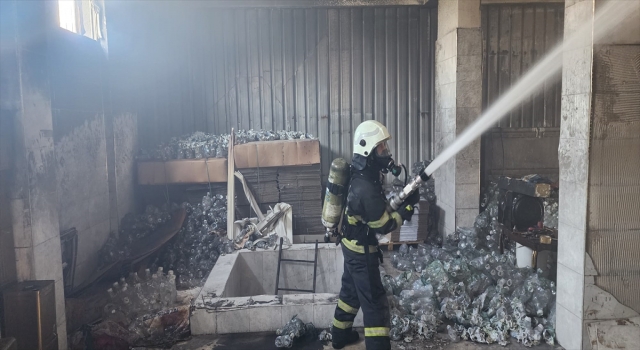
<point>203,321</point>
<point>469,39</point>
<point>446,46</point>
<point>47,260</point>
<point>296,274</point>
<point>447,17</point>
<point>468,196</point>
<point>21,224</point>
<point>447,121</point>
<point>601,305</point>
<point>573,158</point>
<point>465,116</point>
<point>469,68</point>
<point>323,315</point>
<point>60,302</point>
<point>466,217</point>
<point>62,335</point>
<point>468,172</point>
<point>570,289</point>
<point>44,216</point>
<point>24,264</point>
<point>215,284</point>
<point>446,95</point>
<point>254,270</point>
<point>304,312</point>
<point>572,204</point>
<point>469,14</point>
<point>575,16</point>
<point>266,318</point>
<point>576,116</point>
<point>576,75</point>
<point>446,71</point>
<point>468,94</point>
<point>297,299</point>
<point>571,246</point>
<point>328,273</point>
<point>233,321</point>
<point>568,329</point>
<point>269,269</point>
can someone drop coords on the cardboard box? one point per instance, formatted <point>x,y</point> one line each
<point>182,171</point>
<point>277,153</point>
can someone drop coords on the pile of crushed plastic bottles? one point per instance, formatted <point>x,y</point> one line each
<point>292,330</point>
<point>201,240</point>
<point>202,145</point>
<point>140,295</point>
<point>133,227</point>
<point>468,284</point>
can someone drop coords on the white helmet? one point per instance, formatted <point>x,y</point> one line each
<point>369,134</point>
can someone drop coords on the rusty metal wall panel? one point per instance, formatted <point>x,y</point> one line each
<point>613,236</point>
<point>515,37</point>
<point>318,70</point>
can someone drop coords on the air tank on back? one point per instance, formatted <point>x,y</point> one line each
<point>333,206</point>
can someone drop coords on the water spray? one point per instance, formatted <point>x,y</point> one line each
<point>606,19</point>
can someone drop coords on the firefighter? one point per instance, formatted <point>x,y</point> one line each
<point>365,216</point>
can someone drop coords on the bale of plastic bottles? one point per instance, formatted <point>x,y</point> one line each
<point>467,283</point>
<point>201,145</point>
<point>292,330</point>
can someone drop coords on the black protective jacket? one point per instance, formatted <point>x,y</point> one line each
<point>366,209</point>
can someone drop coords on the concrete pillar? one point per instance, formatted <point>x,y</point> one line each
<point>458,101</point>
<point>598,152</point>
<point>34,213</point>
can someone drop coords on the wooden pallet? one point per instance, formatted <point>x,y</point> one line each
<point>391,244</point>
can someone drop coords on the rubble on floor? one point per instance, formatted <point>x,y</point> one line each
<point>203,145</point>
<point>468,283</point>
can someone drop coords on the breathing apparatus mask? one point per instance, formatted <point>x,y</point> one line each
<point>381,159</point>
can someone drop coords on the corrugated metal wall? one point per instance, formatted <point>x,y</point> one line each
<point>318,70</point>
<point>7,253</point>
<point>515,37</point>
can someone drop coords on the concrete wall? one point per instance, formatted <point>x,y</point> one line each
<point>458,101</point>
<point>26,91</point>
<point>599,162</point>
<point>76,68</point>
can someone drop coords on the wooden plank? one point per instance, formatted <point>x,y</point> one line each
<point>231,186</point>
<point>540,190</point>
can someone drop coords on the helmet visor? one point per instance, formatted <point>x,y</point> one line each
<point>382,150</point>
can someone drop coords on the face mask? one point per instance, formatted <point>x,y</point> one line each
<point>382,158</point>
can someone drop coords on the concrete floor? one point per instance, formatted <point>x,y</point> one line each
<point>254,341</point>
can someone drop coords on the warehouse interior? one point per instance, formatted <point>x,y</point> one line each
<point>182,149</point>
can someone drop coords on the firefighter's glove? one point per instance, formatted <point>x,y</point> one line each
<point>406,211</point>
<point>413,198</point>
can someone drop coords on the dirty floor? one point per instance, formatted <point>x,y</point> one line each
<point>255,341</point>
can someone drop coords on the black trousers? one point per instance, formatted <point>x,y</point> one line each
<point>362,288</point>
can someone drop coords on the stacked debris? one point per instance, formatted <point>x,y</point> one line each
<point>294,329</point>
<point>133,227</point>
<point>469,283</point>
<point>250,238</point>
<point>202,145</point>
<point>201,240</point>
<point>301,187</point>
<point>550,213</point>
